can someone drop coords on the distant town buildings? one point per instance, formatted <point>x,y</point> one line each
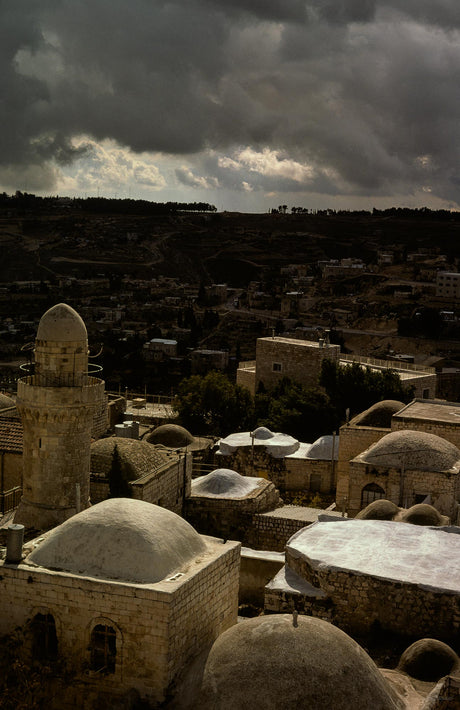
<point>448,285</point>
<point>301,360</point>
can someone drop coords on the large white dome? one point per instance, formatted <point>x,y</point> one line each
<point>123,539</point>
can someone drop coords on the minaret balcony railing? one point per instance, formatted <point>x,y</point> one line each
<point>62,379</point>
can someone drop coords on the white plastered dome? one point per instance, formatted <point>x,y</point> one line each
<point>122,539</point>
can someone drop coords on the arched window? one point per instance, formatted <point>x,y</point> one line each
<point>370,493</point>
<point>44,638</point>
<point>103,648</point>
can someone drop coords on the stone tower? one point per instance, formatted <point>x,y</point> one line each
<point>57,404</point>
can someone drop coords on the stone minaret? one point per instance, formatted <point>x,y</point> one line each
<point>57,404</point>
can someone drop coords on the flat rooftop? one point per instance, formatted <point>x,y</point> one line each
<point>430,410</point>
<point>399,552</point>
<point>299,343</point>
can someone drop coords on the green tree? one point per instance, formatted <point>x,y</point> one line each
<point>211,404</point>
<point>357,388</point>
<point>304,413</point>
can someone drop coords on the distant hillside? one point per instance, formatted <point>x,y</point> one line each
<point>203,246</point>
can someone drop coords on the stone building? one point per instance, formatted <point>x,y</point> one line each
<point>140,470</point>
<point>448,285</point>
<point>301,361</point>
<point>357,435</point>
<point>359,574</point>
<point>126,595</point>
<point>178,438</point>
<point>245,508</point>
<point>204,360</point>
<point>224,503</point>
<point>431,416</point>
<point>407,467</point>
<point>57,405</point>
<point>290,464</point>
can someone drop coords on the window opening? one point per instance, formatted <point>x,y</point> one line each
<point>44,638</point>
<point>370,493</point>
<point>103,649</point>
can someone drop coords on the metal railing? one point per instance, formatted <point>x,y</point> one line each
<point>64,379</point>
<point>149,398</point>
<point>9,500</point>
<point>387,364</point>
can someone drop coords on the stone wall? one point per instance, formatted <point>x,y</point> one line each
<point>444,487</point>
<point>116,407</point>
<point>288,474</point>
<point>446,430</point>
<point>100,418</point>
<point>246,377</point>
<point>11,464</point>
<point>257,569</point>
<point>231,519</point>
<point>424,385</point>
<point>308,475</point>
<point>159,628</point>
<point>300,360</point>
<point>271,531</point>
<point>358,601</point>
<point>353,441</point>
<point>166,485</point>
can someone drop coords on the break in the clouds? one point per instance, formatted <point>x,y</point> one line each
<point>338,99</point>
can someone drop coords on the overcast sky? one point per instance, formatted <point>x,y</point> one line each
<point>246,104</point>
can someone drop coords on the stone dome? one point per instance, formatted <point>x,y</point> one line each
<point>422,514</point>
<point>378,510</point>
<point>413,450</point>
<point>171,435</point>
<point>136,458</point>
<point>277,445</point>
<point>225,483</point>
<point>61,324</point>
<point>280,663</point>
<point>262,433</point>
<point>321,449</point>
<point>6,402</point>
<point>429,660</point>
<point>379,415</point>
<point>123,539</point>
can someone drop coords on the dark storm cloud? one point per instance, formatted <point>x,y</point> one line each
<point>364,93</point>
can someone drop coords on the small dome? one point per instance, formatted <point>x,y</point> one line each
<point>171,435</point>
<point>378,510</point>
<point>277,445</point>
<point>413,450</point>
<point>225,483</point>
<point>120,538</point>
<point>136,458</point>
<point>262,433</point>
<point>379,415</point>
<point>428,660</point>
<point>278,663</point>
<point>61,324</point>
<point>6,402</point>
<point>422,514</point>
<point>321,449</point>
